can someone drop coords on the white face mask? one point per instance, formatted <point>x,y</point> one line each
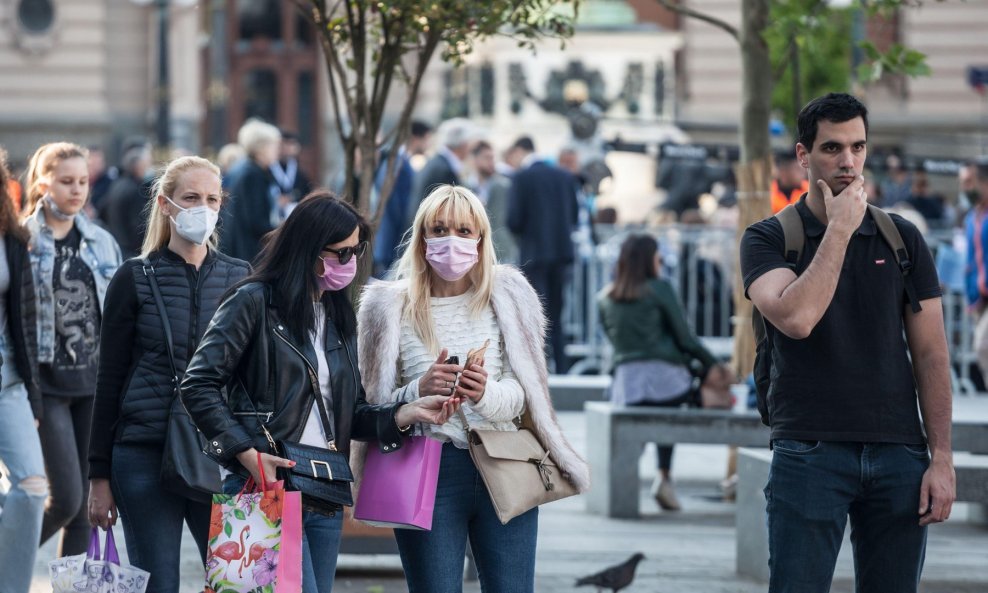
<point>195,224</point>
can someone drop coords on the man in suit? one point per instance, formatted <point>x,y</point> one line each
<point>446,166</point>
<point>493,189</point>
<point>393,220</point>
<point>542,214</point>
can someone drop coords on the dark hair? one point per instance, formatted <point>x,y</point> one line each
<point>480,147</point>
<point>635,267</point>
<point>9,224</point>
<point>784,157</point>
<point>833,107</point>
<point>981,168</point>
<point>289,136</point>
<point>525,143</point>
<point>419,128</point>
<point>286,262</point>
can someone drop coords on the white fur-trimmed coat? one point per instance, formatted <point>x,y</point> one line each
<point>522,323</point>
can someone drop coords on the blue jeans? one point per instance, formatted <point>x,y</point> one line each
<point>152,516</point>
<point>505,554</point>
<point>321,536</point>
<point>24,503</point>
<point>813,487</point>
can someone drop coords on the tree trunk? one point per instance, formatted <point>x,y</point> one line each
<point>754,172</point>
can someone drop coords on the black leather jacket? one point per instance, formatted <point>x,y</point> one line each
<point>248,350</point>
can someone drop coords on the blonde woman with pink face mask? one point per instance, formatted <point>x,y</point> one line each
<point>450,297</point>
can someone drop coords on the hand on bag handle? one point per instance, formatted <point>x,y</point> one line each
<point>260,465</point>
<point>102,507</point>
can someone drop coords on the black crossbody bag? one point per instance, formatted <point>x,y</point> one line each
<point>185,467</point>
<point>322,475</point>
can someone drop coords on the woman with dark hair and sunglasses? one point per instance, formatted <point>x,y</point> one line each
<point>654,346</point>
<point>291,318</point>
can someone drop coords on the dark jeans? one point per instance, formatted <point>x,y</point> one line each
<point>548,281</point>
<point>665,453</point>
<point>813,487</point>
<point>64,432</point>
<point>152,516</point>
<point>505,554</point>
<point>321,536</point>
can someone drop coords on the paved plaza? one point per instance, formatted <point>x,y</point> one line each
<point>687,552</point>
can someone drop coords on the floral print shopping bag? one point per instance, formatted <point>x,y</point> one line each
<point>255,541</point>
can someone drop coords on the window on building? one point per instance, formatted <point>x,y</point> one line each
<point>36,16</point>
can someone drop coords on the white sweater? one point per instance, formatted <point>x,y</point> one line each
<point>459,332</point>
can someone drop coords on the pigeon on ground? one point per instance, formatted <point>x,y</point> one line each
<point>614,578</point>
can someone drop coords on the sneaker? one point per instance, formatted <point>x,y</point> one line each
<point>665,495</point>
<point>729,488</point>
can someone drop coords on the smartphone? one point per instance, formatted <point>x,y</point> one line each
<point>452,360</point>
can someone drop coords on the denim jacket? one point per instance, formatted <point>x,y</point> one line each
<point>97,249</point>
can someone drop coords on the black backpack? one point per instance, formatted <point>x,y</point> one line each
<point>795,237</point>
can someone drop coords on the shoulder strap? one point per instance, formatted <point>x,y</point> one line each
<point>163,313</point>
<point>795,236</point>
<point>890,233</point>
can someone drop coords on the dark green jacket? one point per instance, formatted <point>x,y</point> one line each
<point>652,328</point>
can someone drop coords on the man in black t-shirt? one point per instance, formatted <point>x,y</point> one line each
<point>850,359</point>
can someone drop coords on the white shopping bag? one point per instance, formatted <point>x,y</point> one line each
<point>88,573</point>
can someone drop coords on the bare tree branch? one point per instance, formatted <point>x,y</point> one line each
<point>683,10</point>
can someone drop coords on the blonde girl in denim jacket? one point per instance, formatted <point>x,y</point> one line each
<point>72,261</point>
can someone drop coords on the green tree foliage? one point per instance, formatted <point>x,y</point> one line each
<point>370,47</point>
<point>814,43</point>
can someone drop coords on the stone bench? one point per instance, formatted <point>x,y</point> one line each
<point>751,532</point>
<point>570,392</point>
<point>616,435</point>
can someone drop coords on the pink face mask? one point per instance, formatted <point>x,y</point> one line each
<point>451,257</point>
<point>336,276</point>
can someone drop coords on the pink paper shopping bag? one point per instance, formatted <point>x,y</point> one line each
<point>399,489</point>
<point>255,541</point>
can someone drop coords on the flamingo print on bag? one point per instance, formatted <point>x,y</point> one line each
<point>256,551</point>
<point>230,551</point>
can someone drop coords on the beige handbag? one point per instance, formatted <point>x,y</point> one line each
<point>516,468</point>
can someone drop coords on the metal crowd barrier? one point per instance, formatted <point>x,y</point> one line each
<point>700,262</point>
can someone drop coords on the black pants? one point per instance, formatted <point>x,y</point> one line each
<point>665,453</point>
<point>548,281</point>
<point>64,435</point>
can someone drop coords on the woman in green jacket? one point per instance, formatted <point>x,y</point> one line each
<point>656,354</point>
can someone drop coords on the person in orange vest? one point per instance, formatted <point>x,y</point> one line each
<point>14,191</point>
<point>790,181</point>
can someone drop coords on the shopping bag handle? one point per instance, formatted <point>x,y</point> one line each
<point>250,485</point>
<point>110,553</point>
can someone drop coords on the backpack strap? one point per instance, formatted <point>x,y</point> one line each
<point>792,230</point>
<point>893,238</point>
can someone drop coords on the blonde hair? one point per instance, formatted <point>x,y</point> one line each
<point>458,206</point>
<point>159,232</point>
<point>43,162</point>
<point>255,133</point>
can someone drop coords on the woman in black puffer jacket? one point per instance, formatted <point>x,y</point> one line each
<point>135,386</point>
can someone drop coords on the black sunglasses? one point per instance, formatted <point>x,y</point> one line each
<point>345,253</point>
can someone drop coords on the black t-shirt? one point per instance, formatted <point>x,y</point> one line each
<point>851,378</point>
<point>77,320</point>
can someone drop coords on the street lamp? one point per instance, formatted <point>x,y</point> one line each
<point>163,123</point>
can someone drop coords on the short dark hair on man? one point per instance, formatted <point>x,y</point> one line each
<point>525,143</point>
<point>419,128</point>
<point>783,157</point>
<point>289,136</point>
<point>833,107</point>
<point>480,147</point>
<point>981,168</point>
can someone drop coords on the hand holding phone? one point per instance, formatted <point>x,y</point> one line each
<point>440,379</point>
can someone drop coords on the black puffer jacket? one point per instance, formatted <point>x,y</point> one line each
<point>249,350</point>
<point>134,387</point>
<point>23,320</point>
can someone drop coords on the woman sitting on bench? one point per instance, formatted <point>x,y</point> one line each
<point>654,346</point>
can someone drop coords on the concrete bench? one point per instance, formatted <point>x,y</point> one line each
<point>751,539</point>
<point>570,392</point>
<point>616,435</point>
